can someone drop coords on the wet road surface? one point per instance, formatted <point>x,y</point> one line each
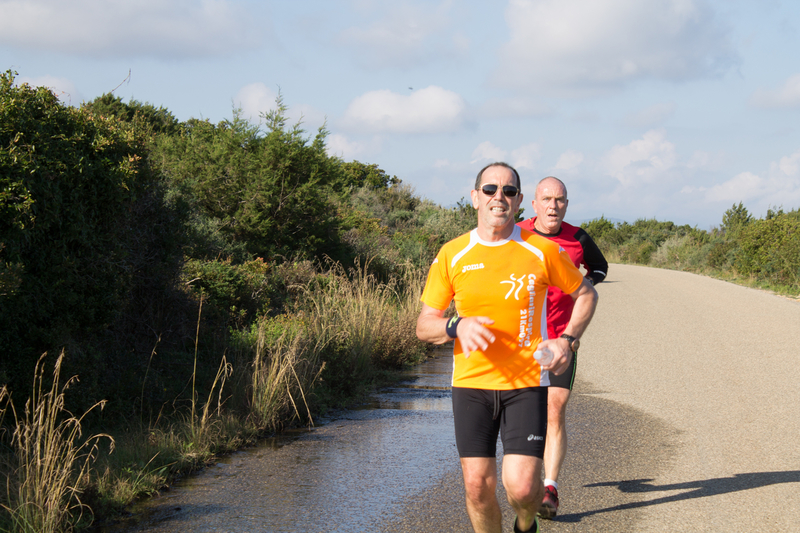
<point>685,416</point>
<point>393,466</point>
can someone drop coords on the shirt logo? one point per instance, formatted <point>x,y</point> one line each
<point>526,315</point>
<point>516,285</point>
<point>476,266</point>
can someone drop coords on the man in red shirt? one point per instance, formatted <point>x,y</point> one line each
<point>550,205</point>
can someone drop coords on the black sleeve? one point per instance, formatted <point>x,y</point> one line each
<point>596,264</point>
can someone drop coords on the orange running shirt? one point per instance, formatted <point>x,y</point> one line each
<point>506,281</point>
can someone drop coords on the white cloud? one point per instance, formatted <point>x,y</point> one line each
<point>786,96</point>
<point>488,152</point>
<point>308,116</point>
<point>643,161</point>
<point>650,117</point>
<point>783,185</point>
<point>779,186</point>
<point>63,88</point>
<point>585,45</point>
<point>742,187</point>
<point>255,99</point>
<point>429,110</point>
<point>127,28</point>
<point>406,34</point>
<point>788,166</point>
<point>569,161</point>
<point>340,146</point>
<point>526,156</point>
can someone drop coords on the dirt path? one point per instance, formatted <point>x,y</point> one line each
<point>711,371</point>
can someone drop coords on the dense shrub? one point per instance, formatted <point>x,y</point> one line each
<point>763,251</point>
<point>69,183</point>
<point>770,249</point>
<point>267,193</point>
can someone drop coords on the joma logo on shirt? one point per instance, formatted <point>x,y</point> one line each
<point>476,266</point>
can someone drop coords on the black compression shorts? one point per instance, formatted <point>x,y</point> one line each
<point>567,378</point>
<point>519,416</point>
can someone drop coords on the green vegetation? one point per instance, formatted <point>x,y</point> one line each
<point>208,284</point>
<point>214,283</point>
<point>762,253</point>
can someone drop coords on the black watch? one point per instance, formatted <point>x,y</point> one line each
<point>574,343</point>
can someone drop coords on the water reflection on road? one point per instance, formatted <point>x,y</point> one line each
<point>346,475</point>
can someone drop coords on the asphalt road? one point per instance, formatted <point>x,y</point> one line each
<point>711,371</point>
<point>684,417</point>
<point>685,414</point>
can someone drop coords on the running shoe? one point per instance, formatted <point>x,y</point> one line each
<point>549,506</point>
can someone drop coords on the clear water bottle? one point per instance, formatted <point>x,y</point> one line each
<point>543,355</point>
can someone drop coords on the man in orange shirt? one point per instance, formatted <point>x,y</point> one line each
<point>498,275</point>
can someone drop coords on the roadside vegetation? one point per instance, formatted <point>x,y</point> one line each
<point>196,286</point>
<point>762,253</point>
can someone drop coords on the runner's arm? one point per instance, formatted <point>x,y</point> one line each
<point>585,297</point>
<point>593,258</point>
<point>471,331</point>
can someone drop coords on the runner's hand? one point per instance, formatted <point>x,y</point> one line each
<point>562,355</point>
<point>474,335</point>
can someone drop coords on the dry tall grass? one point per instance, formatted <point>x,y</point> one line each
<point>376,320</point>
<point>345,326</point>
<point>51,460</point>
<point>346,320</point>
<point>281,374</point>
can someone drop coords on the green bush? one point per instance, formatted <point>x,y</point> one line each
<point>770,249</point>
<point>69,183</point>
<point>267,193</point>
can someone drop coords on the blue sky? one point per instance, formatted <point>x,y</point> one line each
<point>666,109</point>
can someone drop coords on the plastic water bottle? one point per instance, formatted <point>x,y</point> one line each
<point>543,355</point>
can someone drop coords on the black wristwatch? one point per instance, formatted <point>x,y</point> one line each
<point>574,343</point>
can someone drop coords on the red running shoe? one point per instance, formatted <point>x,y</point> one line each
<point>549,506</point>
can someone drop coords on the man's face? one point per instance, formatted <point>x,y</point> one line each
<point>550,206</point>
<point>496,212</point>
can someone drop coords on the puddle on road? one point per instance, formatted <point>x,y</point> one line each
<point>427,390</point>
<point>345,475</point>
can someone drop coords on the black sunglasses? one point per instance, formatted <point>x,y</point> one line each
<point>509,191</point>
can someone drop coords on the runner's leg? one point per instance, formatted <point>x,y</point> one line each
<point>555,449</point>
<point>480,482</point>
<point>522,479</point>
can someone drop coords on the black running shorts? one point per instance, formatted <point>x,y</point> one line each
<point>567,378</point>
<point>519,416</point>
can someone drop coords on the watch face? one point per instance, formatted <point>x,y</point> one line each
<point>576,344</point>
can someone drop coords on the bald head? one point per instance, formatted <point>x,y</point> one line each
<point>550,205</point>
<point>550,182</point>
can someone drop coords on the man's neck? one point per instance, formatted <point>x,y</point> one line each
<point>496,234</point>
<point>544,231</point>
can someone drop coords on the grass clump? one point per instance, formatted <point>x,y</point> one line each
<point>51,461</point>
